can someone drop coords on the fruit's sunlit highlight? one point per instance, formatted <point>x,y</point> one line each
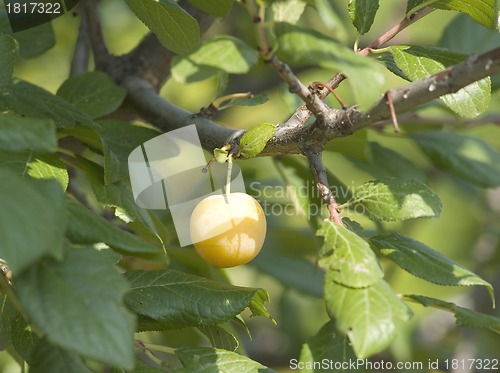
<point>228,230</point>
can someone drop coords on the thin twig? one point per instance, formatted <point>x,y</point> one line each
<point>330,89</point>
<point>395,30</point>
<point>320,176</point>
<point>394,118</point>
<point>312,101</point>
<point>417,119</point>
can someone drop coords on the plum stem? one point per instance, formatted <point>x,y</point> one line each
<point>229,171</point>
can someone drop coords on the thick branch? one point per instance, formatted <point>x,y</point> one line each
<point>292,137</point>
<point>167,116</point>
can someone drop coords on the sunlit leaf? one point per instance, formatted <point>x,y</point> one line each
<point>220,53</point>
<point>419,62</point>
<point>174,27</point>
<point>362,14</point>
<point>173,299</point>
<point>288,11</point>
<point>393,200</point>
<point>255,140</point>
<point>329,345</point>
<point>422,261</point>
<point>204,359</point>
<point>350,260</point>
<point>484,12</point>
<point>370,317</point>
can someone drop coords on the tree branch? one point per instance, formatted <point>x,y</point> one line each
<point>81,54</point>
<point>320,176</point>
<point>395,30</point>
<point>167,116</point>
<point>99,48</point>
<point>293,136</point>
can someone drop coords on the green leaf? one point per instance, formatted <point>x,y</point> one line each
<point>219,337</point>
<point>89,289</point>
<point>386,163</point>
<point>370,317</point>
<point>24,205</point>
<point>465,156</point>
<point>33,41</point>
<point>349,258</point>
<point>484,12</point>
<point>26,99</point>
<point>8,313</point>
<point>421,261</point>
<point>256,305</point>
<point>118,194</point>
<point>23,338</point>
<point>38,166</point>
<point>254,141</point>
<point>218,8</point>
<point>176,300</point>
<point>419,62</point>
<point>393,200</point>
<point>286,247</point>
<point>250,101</point>
<point>306,47</point>
<point>465,35</point>
<point>328,346</point>
<point>463,316</point>
<point>86,227</point>
<point>362,14</point>
<point>288,11</point>
<point>412,4</point>
<point>220,53</point>
<point>118,139</point>
<point>21,133</point>
<point>95,93</point>
<point>48,358</point>
<point>301,188</point>
<point>174,27</point>
<point>9,53</point>
<point>205,359</point>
